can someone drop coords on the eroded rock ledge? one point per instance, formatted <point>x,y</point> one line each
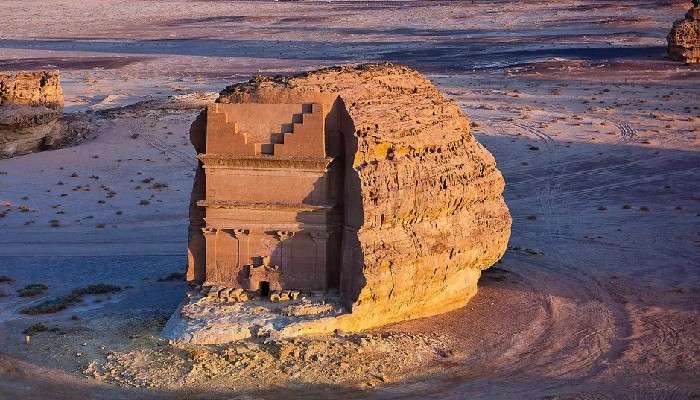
<point>424,214</point>
<point>31,114</point>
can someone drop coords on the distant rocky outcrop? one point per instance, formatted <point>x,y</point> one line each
<point>31,114</point>
<point>423,207</point>
<point>684,38</point>
<point>32,88</point>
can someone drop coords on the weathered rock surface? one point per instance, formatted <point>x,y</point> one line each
<point>31,114</point>
<point>215,319</point>
<point>32,88</point>
<point>684,38</point>
<point>361,360</point>
<point>424,212</point>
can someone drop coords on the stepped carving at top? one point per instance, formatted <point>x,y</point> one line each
<point>299,135</point>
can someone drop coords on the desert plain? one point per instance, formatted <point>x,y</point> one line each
<point>595,131</point>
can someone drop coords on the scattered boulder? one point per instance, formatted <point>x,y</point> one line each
<point>31,114</point>
<point>62,302</point>
<point>684,38</point>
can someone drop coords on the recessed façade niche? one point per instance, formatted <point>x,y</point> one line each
<point>270,201</point>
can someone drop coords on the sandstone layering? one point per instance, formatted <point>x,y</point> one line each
<point>31,114</point>
<point>684,38</point>
<point>413,202</point>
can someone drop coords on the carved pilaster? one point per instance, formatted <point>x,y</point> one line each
<point>320,239</point>
<point>210,251</point>
<point>285,256</point>
<point>243,236</point>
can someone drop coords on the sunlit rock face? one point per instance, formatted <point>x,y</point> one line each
<point>684,38</point>
<point>31,114</point>
<point>417,201</point>
<point>41,88</point>
<point>30,106</point>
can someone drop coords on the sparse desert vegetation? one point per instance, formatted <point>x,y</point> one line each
<point>32,290</point>
<point>594,129</point>
<point>39,328</point>
<point>74,297</point>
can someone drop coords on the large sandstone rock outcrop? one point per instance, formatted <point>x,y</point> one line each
<point>423,206</point>
<point>684,38</point>
<point>31,114</point>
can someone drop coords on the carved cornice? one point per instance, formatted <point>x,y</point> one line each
<point>261,206</point>
<point>264,162</point>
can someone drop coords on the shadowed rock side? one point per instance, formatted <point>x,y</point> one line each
<point>684,38</point>
<point>423,212</point>
<point>31,114</point>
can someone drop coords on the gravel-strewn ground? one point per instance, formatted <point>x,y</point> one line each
<point>596,133</point>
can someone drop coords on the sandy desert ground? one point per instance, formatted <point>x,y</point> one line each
<point>596,132</point>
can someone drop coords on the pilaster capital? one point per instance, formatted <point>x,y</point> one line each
<point>284,235</point>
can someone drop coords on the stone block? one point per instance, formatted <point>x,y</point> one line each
<point>284,295</point>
